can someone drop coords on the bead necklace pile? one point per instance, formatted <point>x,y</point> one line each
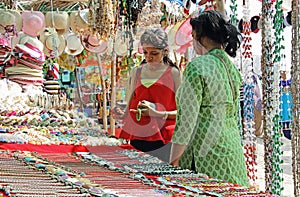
<point>295,87</point>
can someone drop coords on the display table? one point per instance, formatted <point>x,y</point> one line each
<point>43,148</point>
<point>98,170</point>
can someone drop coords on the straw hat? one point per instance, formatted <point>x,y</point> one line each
<point>52,41</point>
<point>10,17</point>
<point>184,33</point>
<point>73,46</point>
<point>122,43</point>
<point>59,20</point>
<point>93,44</point>
<point>21,69</point>
<point>79,20</point>
<point>31,50</point>
<point>34,41</point>
<point>172,32</point>
<point>33,22</point>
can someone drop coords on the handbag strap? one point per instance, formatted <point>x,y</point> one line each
<point>228,74</point>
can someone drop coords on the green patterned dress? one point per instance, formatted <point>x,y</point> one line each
<point>207,118</point>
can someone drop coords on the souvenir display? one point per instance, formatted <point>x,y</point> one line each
<point>64,65</point>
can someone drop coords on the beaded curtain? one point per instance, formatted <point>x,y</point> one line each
<point>277,171</point>
<point>249,138</point>
<point>295,86</point>
<point>270,78</point>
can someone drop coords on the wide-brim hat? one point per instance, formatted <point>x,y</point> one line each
<point>33,22</point>
<point>58,20</point>
<point>21,69</point>
<point>34,41</point>
<point>93,44</point>
<point>172,33</point>
<point>52,42</point>
<point>31,50</point>
<point>79,20</point>
<point>122,43</point>
<point>27,80</point>
<point>184,33</point>
<point>10,17</point>
<point>73,44</point>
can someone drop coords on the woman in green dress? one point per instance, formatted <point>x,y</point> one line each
<point>206,137</point>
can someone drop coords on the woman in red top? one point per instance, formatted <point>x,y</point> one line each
<point>149,118</point>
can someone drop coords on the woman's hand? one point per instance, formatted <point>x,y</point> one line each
<point>147,109</point>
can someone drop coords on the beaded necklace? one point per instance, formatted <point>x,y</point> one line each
<point>249,138</point>
<point>267,65</point>
<point>295,86</point>
<point>277,175</point>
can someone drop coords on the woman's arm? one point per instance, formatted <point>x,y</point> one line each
<point>118,112</point>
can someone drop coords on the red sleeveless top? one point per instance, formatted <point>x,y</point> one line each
<point>151,128</point>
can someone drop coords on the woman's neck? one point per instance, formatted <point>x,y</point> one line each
<point>210,44</point>
<point>155,66</point>
<point>214,46</point>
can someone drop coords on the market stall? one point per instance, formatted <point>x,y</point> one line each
<point>64,65</point>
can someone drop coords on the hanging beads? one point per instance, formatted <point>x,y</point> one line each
<point>249,138</point>
<point>295,87</point>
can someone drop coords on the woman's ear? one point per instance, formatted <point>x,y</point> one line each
<point>166,52</point>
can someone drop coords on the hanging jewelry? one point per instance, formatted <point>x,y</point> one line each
<point>295,87</point>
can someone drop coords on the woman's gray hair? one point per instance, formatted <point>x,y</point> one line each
<point>156,37</point>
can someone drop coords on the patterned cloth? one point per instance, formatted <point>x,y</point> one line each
<point>207,119</point>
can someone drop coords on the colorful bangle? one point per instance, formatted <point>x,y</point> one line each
<point>138,114</point>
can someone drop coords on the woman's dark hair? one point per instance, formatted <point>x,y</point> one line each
<point>211,24</point>
<point>157,38</point>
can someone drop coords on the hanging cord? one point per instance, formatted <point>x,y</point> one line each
<point>55,51</point>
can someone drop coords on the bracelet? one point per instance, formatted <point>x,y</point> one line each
<point>138,114</point>
<point>165,116</point>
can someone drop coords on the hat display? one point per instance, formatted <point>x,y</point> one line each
<point>52,43</point>
<point>33,22</point>
<point>93,44</point>
<point>79,20</point>
<point>34,41</point>
<point>51,86</point>
<point>73,44</point>
<point>58,20</point>
<point>21,69</point>
<point>31,50</point>
<point>8,18</point>
<point>24,75</point>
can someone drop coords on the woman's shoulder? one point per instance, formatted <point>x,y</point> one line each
<point>175,71</point>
